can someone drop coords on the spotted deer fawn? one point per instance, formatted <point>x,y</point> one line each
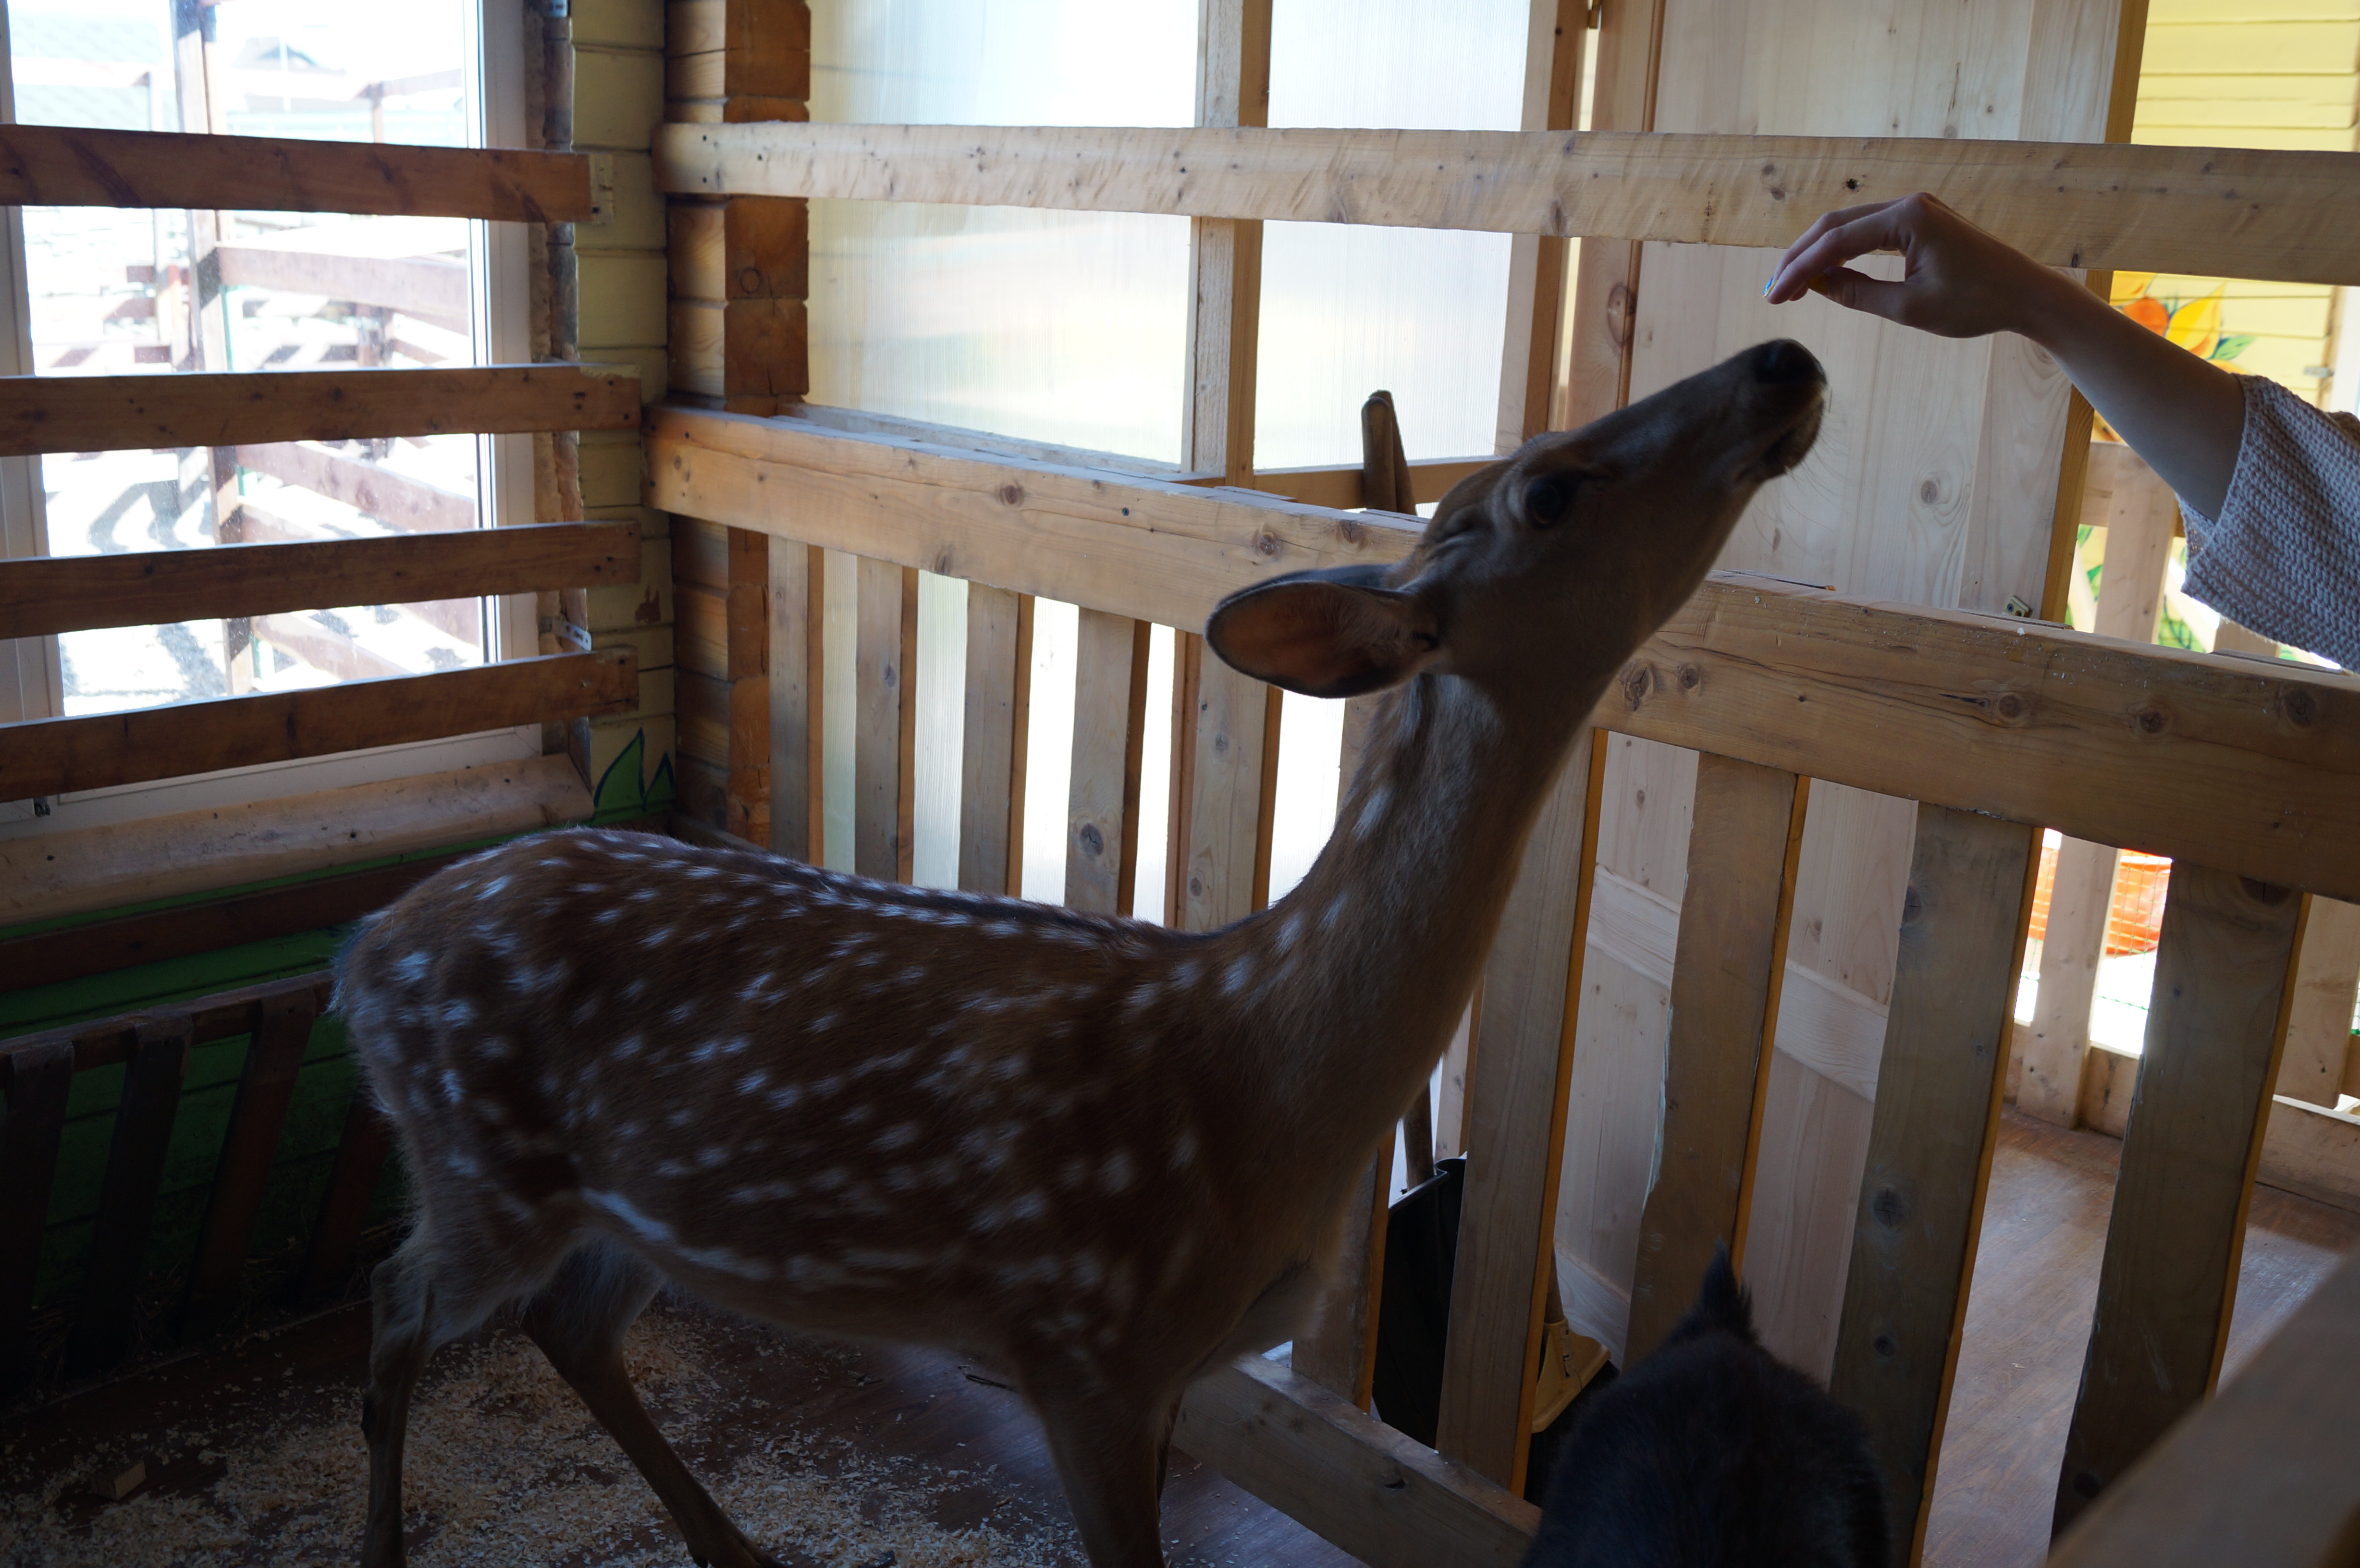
<point>1101,1155</point>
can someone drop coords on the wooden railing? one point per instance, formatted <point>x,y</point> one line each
<point>2243,772</point>
<point>153,1050</point>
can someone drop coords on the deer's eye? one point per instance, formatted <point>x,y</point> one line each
<point>1547,500</point>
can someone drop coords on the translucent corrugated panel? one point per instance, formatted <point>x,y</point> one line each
<point>1060,326</point>
<point>1346,310</point>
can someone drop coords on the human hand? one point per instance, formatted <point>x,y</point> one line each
<point>1958,281</point>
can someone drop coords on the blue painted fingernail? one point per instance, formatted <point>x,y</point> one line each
<point>1766,284</point>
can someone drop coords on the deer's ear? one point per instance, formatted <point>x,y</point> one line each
<point>1333,633</point>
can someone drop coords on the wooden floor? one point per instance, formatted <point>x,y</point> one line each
<point>837,1455</point>
<point>2028,1321</point>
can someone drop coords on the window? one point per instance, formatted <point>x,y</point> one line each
<point>96,291</point>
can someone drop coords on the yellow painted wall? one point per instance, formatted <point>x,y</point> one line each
<point>2255,73</point>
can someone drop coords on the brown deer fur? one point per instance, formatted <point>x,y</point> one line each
<point>1099,1154</point>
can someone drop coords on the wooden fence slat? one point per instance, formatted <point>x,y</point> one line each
<point>1102,801</point>
<point>2318,1024</point>
<point>399,500</point>
<point>361,1155</point>
<point>1388,1499</point>
<point>427,288</point>
<point>45,594</point>
<point>878,843</point>
<point>2209,211</point>
<point>1929,1151</point>
<point>282,1029</point>
<point>110,1041</point>
<point>794,695</point>
<point>2176,1231</point>
<point>1725,982</point>
<point>2057,1044</point>
<point>2266,1475</point>
<point>1516,1140</point>
<point>228,408</point>
<point>56,166</point>
<point>1222,804</point>
<point>38,1077</point>
<point>992,761</point>
<point>53,756</point>
<point>115,1266</point>
<point>2223,761</point>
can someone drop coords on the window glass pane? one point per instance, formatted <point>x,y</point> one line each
<point>1420,312</point>
<point>1060,326</point>
<point>116,293</point>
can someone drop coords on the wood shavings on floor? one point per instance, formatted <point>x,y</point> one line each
<point>504,1465</point>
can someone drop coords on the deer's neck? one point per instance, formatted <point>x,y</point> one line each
<point>1375,953</point>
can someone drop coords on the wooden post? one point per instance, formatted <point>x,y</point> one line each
<point>1219,717</point>
<point>38,1079</point>
<point>998,722</point>
<point>1556,32</point>
<point>2319,1023</point>
<point>2169,1276</point>
<point>1606,282</point>
<point>113,1269</point>
<point>1515,1137</point>
<point>1937,1123</point>
<point>282,1030</point>
<point>740,270</point>
<point>2130,597</point>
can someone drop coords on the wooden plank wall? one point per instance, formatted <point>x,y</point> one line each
<point>740,269</point>
<point>615,97</point>
<point>1933,483</point>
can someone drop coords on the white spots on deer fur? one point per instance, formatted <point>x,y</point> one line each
<point>1372,809</point>
<point>457,1013</point>
<point>762,1192</point>
<point>411,970</point>
<point>646,895</point>
<point>832,1180</point>
<point>914,974</point>
<point>453,1090</point>
<point>856,1116</point>
<point>647,1227</point>
<point>1184,1149</point>
<point>824,1021</point>
<point>635,989</point>
<point>1085,1269</point>
<point>681,1118</point>
<point>657,937</point>
<point>1237,978</point>
<point>683,1013</point>
<point>1144,995</point>
<point>491,889</point>
<point>900,1179</point>
<point>785,1096</point>
<point>829,1085</point>
<point>735,1044</point>
<point>702,872</point>
<point>752,1083</point>
<point>711,1156</point>
<point>1009,1066</point>
<point>461,1161</point>
<point>1031,1206</point>
<point>494,1047</point>
<point>628,1047</point>
<point>756,988</point>
<point>1290,930</point>
<point>608,916</point>
<point>722,1260</point>
<point>901,1135</point>
<point>1116,1173</point>
<point>586,1010</point>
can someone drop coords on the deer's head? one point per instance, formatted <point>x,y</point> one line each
<point>1540,574</point>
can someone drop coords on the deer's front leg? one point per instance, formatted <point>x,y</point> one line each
<point>1109,1454</point>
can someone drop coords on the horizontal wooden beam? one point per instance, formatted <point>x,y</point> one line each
<point>1386,1499</point>
<point>53,757</point>
<point>59,166</point>
<point>398,500</point>
<point>42,595</point>
<point>108,413</point>
<point>2232,762</point>
<point>1340,487</point>
<point>107,1041</point>
<point>431,289</point>
<point>178,854</point>
<point>2265,1475</point>
<point>2213,212</point>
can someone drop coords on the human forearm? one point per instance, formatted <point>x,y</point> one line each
<point>2184,415</point>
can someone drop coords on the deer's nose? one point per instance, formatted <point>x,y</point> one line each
<point>1787,361</point>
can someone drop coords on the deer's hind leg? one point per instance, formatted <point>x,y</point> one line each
<point>579,1319</point>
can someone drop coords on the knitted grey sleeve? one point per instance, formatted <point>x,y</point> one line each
<point>2284,558</point>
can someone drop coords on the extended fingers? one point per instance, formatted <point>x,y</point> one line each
<point>1876,228</point>
<point>1822,225</point>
